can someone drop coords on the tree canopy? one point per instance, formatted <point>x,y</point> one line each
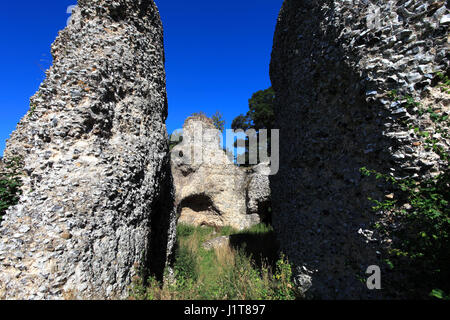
<point>175,138</point>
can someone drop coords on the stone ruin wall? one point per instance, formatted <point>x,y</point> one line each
<point>96,207</point>
<point>333,66</point>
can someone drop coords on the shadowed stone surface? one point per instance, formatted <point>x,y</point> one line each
<point>333,66</point>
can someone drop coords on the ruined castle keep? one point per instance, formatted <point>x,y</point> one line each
<point>334,67</point>
<point>210,188</point>
<point>97,190</point>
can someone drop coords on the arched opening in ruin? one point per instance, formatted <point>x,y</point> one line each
<point>198,209</point>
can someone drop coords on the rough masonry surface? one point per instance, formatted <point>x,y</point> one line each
<point>210,188</point>
<point>334,65</point>
<point>97,205</point>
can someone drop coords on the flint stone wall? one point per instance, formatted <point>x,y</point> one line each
<point>98,200</point>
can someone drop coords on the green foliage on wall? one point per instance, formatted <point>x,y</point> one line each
<point>224,273</point>
<point>10,184</point>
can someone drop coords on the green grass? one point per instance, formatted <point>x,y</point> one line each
<point>421,236</point>
<point>228,273</point>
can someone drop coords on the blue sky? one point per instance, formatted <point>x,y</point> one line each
<point>217,54</point>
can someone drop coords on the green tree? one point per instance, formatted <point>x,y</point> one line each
<point>218,121</point>
<point>199,114</point>
<point>261,113</point>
